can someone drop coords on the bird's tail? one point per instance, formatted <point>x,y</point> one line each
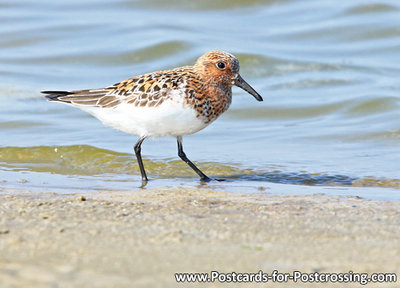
<point>92,97</point>
<point>56,95</point>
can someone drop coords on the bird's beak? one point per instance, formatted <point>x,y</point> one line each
<point>238,81</point>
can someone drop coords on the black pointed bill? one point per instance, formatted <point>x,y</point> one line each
<point>246,87</point>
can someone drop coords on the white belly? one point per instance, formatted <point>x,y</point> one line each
<point>170,118</point>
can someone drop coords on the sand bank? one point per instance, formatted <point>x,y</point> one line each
<point>141,238</point>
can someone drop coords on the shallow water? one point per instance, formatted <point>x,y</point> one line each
<point>328,72</point>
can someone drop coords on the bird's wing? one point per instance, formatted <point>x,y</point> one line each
<point>91,97</point>
<point>145,90</point>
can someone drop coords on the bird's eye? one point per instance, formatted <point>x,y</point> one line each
<point>221,65</point>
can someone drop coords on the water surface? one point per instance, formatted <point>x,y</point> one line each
<point>328,72</point>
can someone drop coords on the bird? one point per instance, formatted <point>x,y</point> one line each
<point>175,102</point>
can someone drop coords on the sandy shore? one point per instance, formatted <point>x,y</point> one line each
<point>141,238</point>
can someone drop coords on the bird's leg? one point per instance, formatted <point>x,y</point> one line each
<point>182,155</point>
<point>138,149</point>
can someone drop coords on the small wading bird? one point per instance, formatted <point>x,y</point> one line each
<point>174,102</point>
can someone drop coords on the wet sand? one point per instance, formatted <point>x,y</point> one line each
<point>141,238</point>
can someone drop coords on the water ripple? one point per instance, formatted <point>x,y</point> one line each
<point>88,160</point>
<point>328,72</point>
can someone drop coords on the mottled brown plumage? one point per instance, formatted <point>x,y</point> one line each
<point>207,88</point>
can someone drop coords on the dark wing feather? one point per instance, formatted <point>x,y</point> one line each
<point>94,97</point>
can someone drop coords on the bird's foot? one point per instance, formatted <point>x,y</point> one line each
<point>144,183</point>
<point>207,179</point>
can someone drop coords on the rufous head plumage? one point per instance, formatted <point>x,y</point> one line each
<point>222,68</point>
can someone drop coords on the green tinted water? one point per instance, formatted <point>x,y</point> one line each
<point>328,72</point>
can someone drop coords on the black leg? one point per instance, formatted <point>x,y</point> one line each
<point>182,155</point>
<point>139,159</point>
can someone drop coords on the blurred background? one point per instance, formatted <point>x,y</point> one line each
<point>328,71</point>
